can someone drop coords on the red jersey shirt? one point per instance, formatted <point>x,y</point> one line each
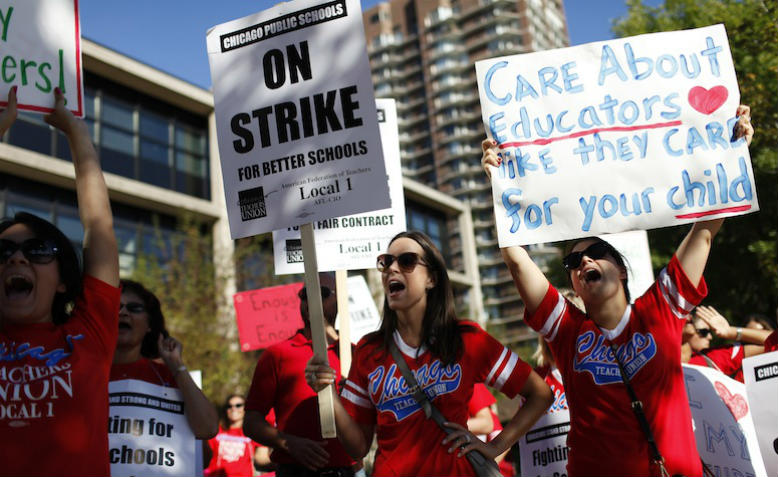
<point>408,443</point>
<point>771,343</point>
<point>233,454</point>
<point>553,378</point>
<point>605,437</point>
<point>727,359</point>
<point>279,383</point>
<point>54,389</point>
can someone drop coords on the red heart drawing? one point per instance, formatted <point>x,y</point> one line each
<point>707,100</point>
<point>735,402</point>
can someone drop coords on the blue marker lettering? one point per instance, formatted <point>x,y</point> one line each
<point>569,78</point>
<point>633,116</point>
<point>549,126</point>
<point>593,121</point>
<point>559,125</point>
<point>495,128</point>
<point>641,142</point>
<point>588,209</point>
<point>695,71</point>
<point>488,87</point>
<point>633,63</point>
<point>676,110</point>
<point>547,77</point>
<point>666,143</point>
<point>613,207</point>
<point>711,51</point>
<point>608,57</point>
<point>546,161</point>
<point>607,105</point>
<point>665,72</point>
<point>694,140</point>
<point>716,135</point>
<point>648,105</point>
<point>524,88</point>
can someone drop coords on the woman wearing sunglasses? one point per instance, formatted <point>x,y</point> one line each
<point>54,359</point>
<point>234,454</point>
<point>447,356</point>
<point>143,342</point>
<point>605,436</point>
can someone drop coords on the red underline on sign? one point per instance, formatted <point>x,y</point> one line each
<point>697,215</point>
<point>544,141</point>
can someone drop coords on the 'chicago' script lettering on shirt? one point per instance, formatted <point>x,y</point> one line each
<point>594,356</point>
<point>14,352</point>
<point>391,393</point>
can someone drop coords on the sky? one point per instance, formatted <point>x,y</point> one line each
<point>170,34</point>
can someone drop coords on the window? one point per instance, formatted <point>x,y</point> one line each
<point>430,222</point>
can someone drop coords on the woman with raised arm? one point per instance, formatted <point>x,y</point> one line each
<point>54,359</point>
<point>605,436</point>
<point>447,357</point>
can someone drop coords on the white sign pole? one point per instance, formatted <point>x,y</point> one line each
<point>344,329</point>
<point>318,334</point>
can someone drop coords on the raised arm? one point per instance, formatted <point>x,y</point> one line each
<point>528,278</point>
<point>200,413</point>
<point>101,253</point>
<point>695,248</point>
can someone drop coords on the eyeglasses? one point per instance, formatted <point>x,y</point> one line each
<point>595,251</point>
<point>35,250</point>
<point>407,261</point>
<point>133,307</point>
<point>703,332</point>
<point>325,293</point>
<point>236,406</point>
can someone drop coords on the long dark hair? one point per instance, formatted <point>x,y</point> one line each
<point>440,331</point>
<point>67,261</point>
<point>149,347</point>
<point>225,422</point>
<point>620,259</point>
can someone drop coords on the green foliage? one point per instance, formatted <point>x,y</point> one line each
<point>196,309</point>
<point>742,272</point>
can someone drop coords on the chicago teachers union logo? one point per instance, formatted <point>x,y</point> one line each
<point>595,357</point>
<point>252,204</point>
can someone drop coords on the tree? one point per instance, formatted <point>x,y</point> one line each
<point>742,272</point>
<point>183,275</point>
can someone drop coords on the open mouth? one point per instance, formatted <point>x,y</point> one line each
<point>17,287</point>
<point>124,326</point>
<point>591,275</point>
<point>395,286</point>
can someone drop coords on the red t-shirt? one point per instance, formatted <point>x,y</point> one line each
<point>279,383</point>
<point>233,454</point>
<point>605,437</point>
<point>727,359</point>
<point>376,393</point>
<point>553,378</point>
<point>144,370</point>
<point>771,343</point>
<point>54,389</point>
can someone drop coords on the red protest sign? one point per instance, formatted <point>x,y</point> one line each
<point>267,316</point>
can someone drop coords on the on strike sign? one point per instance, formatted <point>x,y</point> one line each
<point>296,117</point>
<point>627,134</point>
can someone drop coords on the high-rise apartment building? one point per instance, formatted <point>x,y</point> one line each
<point>422,53</point>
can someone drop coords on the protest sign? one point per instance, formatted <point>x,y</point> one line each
<point>634,246</point>
<point>361,309</point>
<point>722,422</point>
<point>353,242</point>
<point>544,448</point>
<point>295,116</point>
<point>41,44</point>
<point>267,316</point>
<point>626,134</point>
<point>761,375</point>
<point>148,433</point>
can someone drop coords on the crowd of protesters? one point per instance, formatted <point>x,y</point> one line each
<point>59,324</point>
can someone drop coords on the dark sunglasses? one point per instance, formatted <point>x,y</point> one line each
<point>35,250</point>
<point>703,332</point>
<point>406,261</point>
<point>133,307</point>
<point>236,406</point>
<point>595,251</point>
<point>325,293</point>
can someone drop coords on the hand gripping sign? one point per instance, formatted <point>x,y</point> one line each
<point>627,134</point>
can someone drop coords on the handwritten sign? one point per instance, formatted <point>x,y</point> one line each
<point>722,422</point>
<point>296,117</point>
<point>148,433</point>
<point>634,133</point>
<point>41,45</point>
<point>353,242</point>
<point>761,375</point>
<point>267,316</point>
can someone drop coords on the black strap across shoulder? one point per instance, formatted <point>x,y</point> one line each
<point>476,458</point>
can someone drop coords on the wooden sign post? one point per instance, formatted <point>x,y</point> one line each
<point>344,323</point>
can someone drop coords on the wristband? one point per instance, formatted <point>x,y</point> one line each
<point>179,369</point>
<point>739,334</point>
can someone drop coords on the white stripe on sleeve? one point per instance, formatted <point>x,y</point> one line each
<point>551,326</point>
<point>506,372</point>
<point>361,402</point>
<point>678,304</point>
<point>355,387</point>
<point>496,366</point>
